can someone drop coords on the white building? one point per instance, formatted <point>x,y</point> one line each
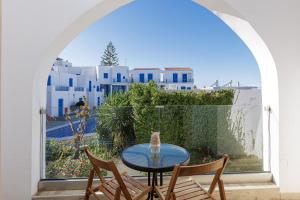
<point>67,85</point>
<point>113,78</point>
<point>180,78</point>
<point>168,78</point>
<point>144,75</point>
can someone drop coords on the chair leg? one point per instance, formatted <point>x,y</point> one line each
<point>89,185</point>
<point>221,190</point>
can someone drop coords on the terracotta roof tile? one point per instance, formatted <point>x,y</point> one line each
<point>178,69</point>
<point>146,69</point>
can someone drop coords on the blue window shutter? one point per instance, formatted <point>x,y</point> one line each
<point>70,82</point>
<point>150,77</point>
<point>175,78</point>
<point>142,78</point>
<point>118,77</point>
<point>184,78</point>
<point>49,81</point>
<point>105,75</point>
<point>90,86</point>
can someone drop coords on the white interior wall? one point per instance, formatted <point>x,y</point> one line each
<point>268,72</point>
<point>277,23</point>
<point>46,35</point>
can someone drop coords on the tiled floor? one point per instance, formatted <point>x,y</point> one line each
<point>267,191</point>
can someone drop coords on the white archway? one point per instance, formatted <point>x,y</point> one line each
<point>38,60</point>
<point>241,27</point>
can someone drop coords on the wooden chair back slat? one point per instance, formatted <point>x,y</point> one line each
<point>99,164</point>
<point>97,161</point>
<point>217,167</point>
<point>201,169</point>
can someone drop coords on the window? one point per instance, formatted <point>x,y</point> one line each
<point>150,77</point>
<point>49,81</point>
<point>98,101</point>
<point>182,87</point>
<point>184,78</point>
<point>98,88</point>
<point>80,99</point>
<point>142,78</point>
<point>105,75</point>
<point>188,88</point>
<point>175,78</point>
<point>118,77</point>
<point>90,86</point>
<point>70,82</point>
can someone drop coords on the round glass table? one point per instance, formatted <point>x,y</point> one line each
<point>141,158</point>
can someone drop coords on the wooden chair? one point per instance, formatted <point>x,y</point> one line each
<point>122,186</point>
<point>190,189</point>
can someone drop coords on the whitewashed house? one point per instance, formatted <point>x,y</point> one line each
<point>144,75</point>
<point>168,78</point>
<point>113,78</point>
<point>120,78</point>
<point>180,78</point>
<point>67,85</point>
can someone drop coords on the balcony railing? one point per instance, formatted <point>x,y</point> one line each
<point>62,88</point>
<point>79,89</point>
<point>120,81</point>
<point>189,80</point>
<point>206,131</point>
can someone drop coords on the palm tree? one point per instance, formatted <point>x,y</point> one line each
<point>116,116</point>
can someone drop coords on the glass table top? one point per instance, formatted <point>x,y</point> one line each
<point>143,158</point>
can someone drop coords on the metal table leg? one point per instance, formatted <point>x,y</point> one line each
<point>153,183</point>
<point>149,183</point>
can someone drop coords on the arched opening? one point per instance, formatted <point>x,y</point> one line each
<point>246,32</point>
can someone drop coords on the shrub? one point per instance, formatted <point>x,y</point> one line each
<point>115,121</point>
<point>68,167</point>
<point>189,119</point>
<point>53,150</point>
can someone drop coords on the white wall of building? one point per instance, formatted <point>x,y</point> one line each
<point>32,24</point>
<point>123,70</point>
<point>170,84</point>
<point>164,78</point>
<point>69,92</point>
<point>134,75</point>
<point>168,75</point>
<point>105,70</point>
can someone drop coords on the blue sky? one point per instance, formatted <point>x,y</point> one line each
<point>168,33</point>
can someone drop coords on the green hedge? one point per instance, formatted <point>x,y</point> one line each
<point>194,120</point>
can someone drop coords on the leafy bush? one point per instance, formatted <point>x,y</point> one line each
<point>189,119</point>
<point>65,166</point>
<point>53,150</point>
<point>68,167</point>
<point>115,121</point>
